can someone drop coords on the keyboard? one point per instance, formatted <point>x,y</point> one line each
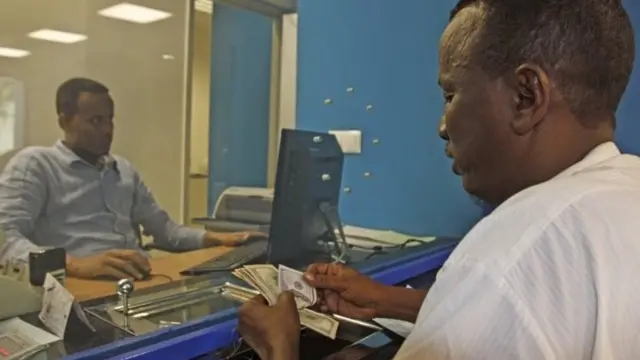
<point>233,259</point>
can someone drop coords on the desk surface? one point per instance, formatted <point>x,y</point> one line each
<point>165,265</point>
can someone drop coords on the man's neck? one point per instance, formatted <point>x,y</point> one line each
<point>547,162</point>
<point>83,154</point>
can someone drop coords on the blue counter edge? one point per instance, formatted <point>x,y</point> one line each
<point>183,342</point>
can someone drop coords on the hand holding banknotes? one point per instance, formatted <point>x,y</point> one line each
<point>342,290</point>
<point>293,280</point>
<point>256,320</point>
<point>270,282</point>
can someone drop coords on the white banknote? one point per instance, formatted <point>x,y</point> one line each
<point>320,323</point>
<point>292,280</point>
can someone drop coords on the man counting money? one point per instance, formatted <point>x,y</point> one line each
<point>531,89</point>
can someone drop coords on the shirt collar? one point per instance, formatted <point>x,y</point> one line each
<point>597,155</point>
<point>69,157</point>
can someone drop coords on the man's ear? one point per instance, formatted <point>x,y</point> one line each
<point>62,121</point>
<point>532,96</point>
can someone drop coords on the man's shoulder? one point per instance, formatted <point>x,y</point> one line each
<point>32,156</point>
<point>597,184</point>
<point>569,210</point>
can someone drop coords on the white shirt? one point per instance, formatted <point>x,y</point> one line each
<point>549,275</point>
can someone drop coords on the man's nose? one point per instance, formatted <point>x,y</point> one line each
<point>442,130</point>
<point>107,128</point>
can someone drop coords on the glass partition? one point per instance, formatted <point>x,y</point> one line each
<point>166,305</point>
<point>138,49</point>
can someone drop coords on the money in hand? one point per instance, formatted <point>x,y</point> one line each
<point>321,323</point>
<point>264,279</point>
<point>292,280</point>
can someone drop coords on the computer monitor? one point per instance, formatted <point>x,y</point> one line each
<point>304,217</point>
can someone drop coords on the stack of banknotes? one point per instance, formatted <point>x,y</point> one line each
<point>270,282</point>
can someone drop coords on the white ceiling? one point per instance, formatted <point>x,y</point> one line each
<point>21,17</point>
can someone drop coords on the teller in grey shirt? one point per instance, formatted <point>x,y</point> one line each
<point>78,196</point>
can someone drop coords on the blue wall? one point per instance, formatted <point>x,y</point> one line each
<point>240,88</point>
<point>388,54</point>
<point>628,134</point>
<point>387,51</point>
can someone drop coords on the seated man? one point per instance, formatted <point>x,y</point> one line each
<point>78,196</point>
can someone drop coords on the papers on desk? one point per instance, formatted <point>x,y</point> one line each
<point>57,305</point>
<point>21,340</point>
<point>399,327</point>
<point>364,237</point>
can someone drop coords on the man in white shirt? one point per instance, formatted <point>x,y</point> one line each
<point>531,91</point>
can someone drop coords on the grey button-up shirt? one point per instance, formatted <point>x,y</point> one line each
<point>51,197</point>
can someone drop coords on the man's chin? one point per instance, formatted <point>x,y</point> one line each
<point>104,151</point>
<point>468,183</point>
<point>456,169</point>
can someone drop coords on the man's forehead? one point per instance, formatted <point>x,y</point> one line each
<point>93,100</point>
<point>460,36</point>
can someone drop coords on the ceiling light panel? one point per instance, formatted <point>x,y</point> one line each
<point>134,13</point>
<point>13,53</point>
<point>57,36</point>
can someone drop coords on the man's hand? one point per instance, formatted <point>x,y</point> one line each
<point>345,291</point>
<point>117,264</point>
<point>231,239</point>
<point>273,332</point>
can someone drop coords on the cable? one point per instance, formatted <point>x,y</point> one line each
<point>325,208</point>
<point>390,246</point>
<point>381,250</point>
<point>331,231</point>
<point>235,350</point>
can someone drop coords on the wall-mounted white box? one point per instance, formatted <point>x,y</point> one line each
<point>350,140</point>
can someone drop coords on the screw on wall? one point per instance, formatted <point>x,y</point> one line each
<point>328,101</point>
<point>369,107</point>
<point>347,190</point>
<point>376,141</point>
<point>350,89</point>
<point>367,174</point>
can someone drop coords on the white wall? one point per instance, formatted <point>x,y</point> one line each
<point>289,66</point>
<point>283,88</point>
<point>200,119</point>
<point>200,94</point>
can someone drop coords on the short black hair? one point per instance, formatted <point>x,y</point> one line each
<point>69,91</point>
<point>586,46</point>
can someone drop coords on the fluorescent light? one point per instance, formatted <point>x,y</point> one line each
<point>57,36</point>
<point>13,53</point>
<point>134,13</point>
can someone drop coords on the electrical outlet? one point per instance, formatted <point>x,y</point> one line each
<point>350,140</point>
